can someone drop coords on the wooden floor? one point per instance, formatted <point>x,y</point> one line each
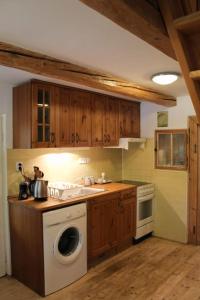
<point>153,269</point>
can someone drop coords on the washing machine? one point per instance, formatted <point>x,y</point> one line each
<point>65,246</point>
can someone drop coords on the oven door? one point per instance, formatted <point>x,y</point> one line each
<point>144,210</point>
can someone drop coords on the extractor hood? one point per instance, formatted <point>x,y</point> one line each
<point>124,143</point>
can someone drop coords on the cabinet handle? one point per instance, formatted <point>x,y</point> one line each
<point>195,148</point>
<point>121,133</point>
<point>52,139</point>
<point>73,137</point>
<point>109,138</point>
<point>105,138</point>
<point>77,138</point>
<point>194,229</point>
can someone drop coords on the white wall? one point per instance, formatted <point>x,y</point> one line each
<point>6,108</point>
<point>177,115</point>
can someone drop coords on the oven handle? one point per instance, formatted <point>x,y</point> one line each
<point>145,198</point>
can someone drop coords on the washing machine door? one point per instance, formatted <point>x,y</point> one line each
<point>68,244</point>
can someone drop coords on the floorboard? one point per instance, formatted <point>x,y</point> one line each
<point>155,269</point>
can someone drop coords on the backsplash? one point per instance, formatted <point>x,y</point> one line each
<point>63,164</point>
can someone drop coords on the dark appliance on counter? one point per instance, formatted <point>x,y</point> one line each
<point>23,190</point>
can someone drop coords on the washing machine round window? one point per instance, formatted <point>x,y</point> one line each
<point>68,241</point>
<point>68,244</point>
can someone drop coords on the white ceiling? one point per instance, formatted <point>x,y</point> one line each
<point>69,30</point>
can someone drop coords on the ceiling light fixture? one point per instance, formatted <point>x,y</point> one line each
<point>165,78</point>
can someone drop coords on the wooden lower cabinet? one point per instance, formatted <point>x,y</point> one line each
<point>126,221</point>
<point>26,237</point>
<point>111,222</point>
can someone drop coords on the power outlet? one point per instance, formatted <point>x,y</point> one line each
<point>84,160</point>
<point>19,166</point>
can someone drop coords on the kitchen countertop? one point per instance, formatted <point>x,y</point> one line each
<point>53,203</point>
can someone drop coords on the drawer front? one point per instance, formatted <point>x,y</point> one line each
<point>108,197</point>
<point>128,194</point>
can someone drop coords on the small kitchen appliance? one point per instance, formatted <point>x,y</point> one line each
<point>23,190</point>
<point>41,190</point>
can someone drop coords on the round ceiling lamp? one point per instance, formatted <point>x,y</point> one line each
<point>165,78</point>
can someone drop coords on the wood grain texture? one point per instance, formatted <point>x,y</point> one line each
<point>53,203</point>
<point>189,23</point>
<point>137,17</point>
<point>22,125</point>
<point>81,108</point>
<point>97,119</point>
<point>186,49</point>
<point>77,118</point>
<point>27,246</point>
<point>129,119</point>
<point>192,182</point>
<point>195,75</point>
<point>15,57</point>
<point>65,127</point>
<point>111,223</point>
<point>50,90</point>
<point>152,270</point>
<point>111,122</point>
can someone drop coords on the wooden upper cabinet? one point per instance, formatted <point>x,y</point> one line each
<point>34,124</point>
<point>111,122</point>
<point>129,119</point>
<point>43,116</point>
<point>65,119</point>
<point>50,115</point>
<point>81,109</point>
<point>98,104</point>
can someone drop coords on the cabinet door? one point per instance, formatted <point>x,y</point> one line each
<point>65,119</point>
<point>43,116</point>
<point>102,224</point>
<point>81,105</point>
<point>111,122</point>
<point>136,118</point>
<point>126,217</point>
<point>98,104</point>
<point>129,119</point>
<point>100,216</point>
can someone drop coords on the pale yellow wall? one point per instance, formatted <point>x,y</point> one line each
<point>170,210</point>
<point>62,164</point>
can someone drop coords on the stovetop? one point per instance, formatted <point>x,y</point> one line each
<point>133,182</point>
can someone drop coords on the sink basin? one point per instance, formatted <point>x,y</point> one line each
<point>80,192</point>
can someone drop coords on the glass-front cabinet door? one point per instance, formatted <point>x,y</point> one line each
<point>43,123</point>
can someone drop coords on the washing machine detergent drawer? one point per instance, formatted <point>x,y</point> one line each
<point>65,246</point>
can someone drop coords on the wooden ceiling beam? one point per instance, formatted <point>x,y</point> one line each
<point>187,50</point>
<point>137,17</point>
<point>26,60</point>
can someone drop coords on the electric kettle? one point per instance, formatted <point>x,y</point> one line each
<point>41,190</point>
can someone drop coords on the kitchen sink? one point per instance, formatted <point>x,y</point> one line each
<point>79,192</point>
